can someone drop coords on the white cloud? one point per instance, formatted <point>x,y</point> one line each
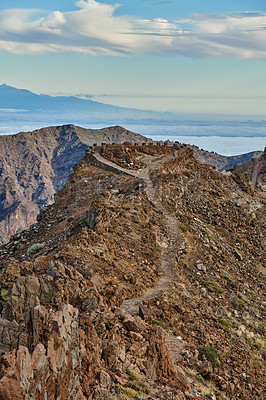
<point>94,28</point>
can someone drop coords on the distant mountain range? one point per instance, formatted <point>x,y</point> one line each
<point>62,109</point>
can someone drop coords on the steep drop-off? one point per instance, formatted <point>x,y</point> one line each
<point>255,170</point>
<point>144,280</point>
<point>35,165</point>
<point>223,162</point>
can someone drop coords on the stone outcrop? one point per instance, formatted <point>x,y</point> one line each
<point>50,366</point>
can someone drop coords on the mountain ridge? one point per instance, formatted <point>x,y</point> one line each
<point>75,304</point>
<point>35,165</point>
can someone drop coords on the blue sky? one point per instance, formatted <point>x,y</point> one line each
<point>187,56</point>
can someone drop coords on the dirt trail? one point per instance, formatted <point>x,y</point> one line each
<point>174,238</point>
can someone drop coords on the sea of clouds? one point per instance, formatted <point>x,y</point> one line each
<point>223,137</point>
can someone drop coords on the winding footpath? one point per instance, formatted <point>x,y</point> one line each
<point>174,239</point>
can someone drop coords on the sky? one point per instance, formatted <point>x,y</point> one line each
<point>184,56</point>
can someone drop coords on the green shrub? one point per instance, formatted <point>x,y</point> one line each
<point>238,303</point>
<point>183,228</point>
<point>224,323</point>
<point>5,294</point>
<point>90,217</point>
<point>134,376</point>
<point>228,277</point>
<point>211,355</point>
<point>35,248</point>
<point>212,287</point>
<point>155,322</point>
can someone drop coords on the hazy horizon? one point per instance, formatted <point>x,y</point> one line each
<point>203,61</point>
<point>197,57</point>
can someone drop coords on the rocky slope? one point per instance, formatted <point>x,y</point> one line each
<point>255,170</point>
<point>223,162</point>
<point>144,280</point>
<point>35,165</point>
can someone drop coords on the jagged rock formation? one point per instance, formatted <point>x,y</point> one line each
<point>49,365</point>
<point>255,170</point>
<point>35,165</point>
<point>74,288</point>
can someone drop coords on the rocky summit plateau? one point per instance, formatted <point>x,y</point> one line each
<point>145,279</point>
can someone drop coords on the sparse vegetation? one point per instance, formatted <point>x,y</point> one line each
<point>210,354</point>
<point>183,228</point>
<point>232,168</point>
<point>136,382</point>
<point>108,254</point>
<point>207,233</point>
<point>131,393</point>
<point>238,303</point>
<point>105,395</point>
<point>34,249</point>
<point>228,277</point>
<point>212,287</point>
<point>5,294</point>
<point>91,215</point>
<point>225,324</point>
<point>155,322</point>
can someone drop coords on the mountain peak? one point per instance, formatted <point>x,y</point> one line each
<point>4,86</point>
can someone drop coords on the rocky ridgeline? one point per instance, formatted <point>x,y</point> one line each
<point>137,284</point>
<point>35,165</point>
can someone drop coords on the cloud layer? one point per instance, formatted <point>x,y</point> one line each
<point>94,28</point>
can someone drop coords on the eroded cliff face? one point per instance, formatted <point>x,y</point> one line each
<point>137,283</point>
<point>35,165</point>
<point>255,170</point>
